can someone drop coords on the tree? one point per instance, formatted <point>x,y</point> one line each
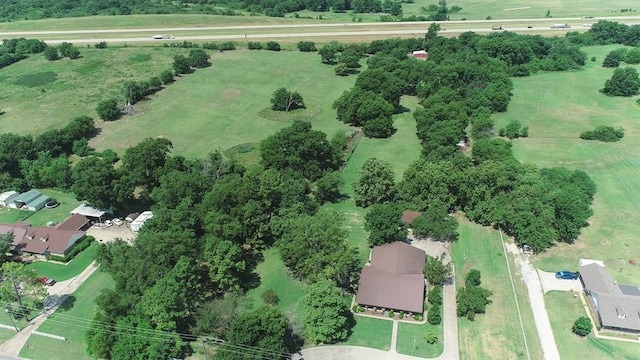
<point>51,53</point>
<point>472,299</point>
<point>299,148</point>
<point>436,223</point>
<point>145,162</point>
<point>229,265</point>
<point>632,56</point>
<point>491,149</point>
<point>432,32</point>
<point>431,337</point>
<point>21,285</point>
<point>108,109</point>
<point>473,278</point>
<point>328,54</point>
<point>93,181</point>
<point>433,315</point>
<point>614,58</point>
<point>328,187</point>
<point>436,271</point>
<point>624,82</point>
<point>273,46</point>
<point>384,224</point>
<point>603,133</point>
<point>69,50</point>
<point>375,183</point>
<point>198,58</point>
<point>101,45</point>
<point>582,326</point>
<point>266,328</point>
<point>326,315</point>
<point>181,65</point>
<point>5,243</point>
<point>284,100</point>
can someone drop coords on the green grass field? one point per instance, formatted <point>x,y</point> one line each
<point>496,334</point>
<point>408,332</point>
<point>80,84</point>
<point>218,107</point>
<point>71,323</point>
<point>557,107</point>
<point>373,333</point>
<point>274,276</point>
<point>563,310</point>
<point>61,272</point>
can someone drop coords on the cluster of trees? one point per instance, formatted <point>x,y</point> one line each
<point>65,49</point>
<point>615,57</point>
<point>459,87</point>
<point>623,82</point>
<point>514,130</point>
<point>188,270</point>
<point>14,50</point>
<point>472,299</point>
<point>603,133</point>
<point>197,58</point>
<point>270,45</point>
<point>607,32</point>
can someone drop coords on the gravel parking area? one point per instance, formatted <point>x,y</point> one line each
<point>103,233</point>
<point>549,282</point>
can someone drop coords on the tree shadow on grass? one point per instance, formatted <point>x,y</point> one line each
<point>67,304</point>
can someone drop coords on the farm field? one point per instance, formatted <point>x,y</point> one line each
<point>71,321</point>
<point>557,107</point>
<point>496,334</point>
<point>564,310</point>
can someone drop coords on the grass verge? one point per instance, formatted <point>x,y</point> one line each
<point>71,323</point>
<point>371,333</point>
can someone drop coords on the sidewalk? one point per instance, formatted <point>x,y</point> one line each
<point>13,346</point>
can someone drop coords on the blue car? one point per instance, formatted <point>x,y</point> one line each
<point>566,275</point>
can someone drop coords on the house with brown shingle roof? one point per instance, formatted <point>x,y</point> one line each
<point>45,240</point>
<point>617,305</point>
<point>393,279</point>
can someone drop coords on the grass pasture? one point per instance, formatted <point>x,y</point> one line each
<point>557,107</point>
<point>219,107</point>
<point>496,334</point>
<point>39,95</point>
<point>563,311</point>
<point>72,323</point>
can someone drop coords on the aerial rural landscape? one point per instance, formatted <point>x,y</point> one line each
<point>319,179</point>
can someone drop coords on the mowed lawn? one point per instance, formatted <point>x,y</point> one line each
<point>411,340</point>
<point>43,216</point>
<point>563,311</point>
<point>72,323</point>
<point>496,334</point>
<point>557,107</point>
<point>39,95</point>
<point>60,272</point>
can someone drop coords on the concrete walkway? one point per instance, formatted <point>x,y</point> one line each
<point>13,346</point>
<point>449,319</point>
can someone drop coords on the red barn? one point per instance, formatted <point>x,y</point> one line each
<point>420,54</point>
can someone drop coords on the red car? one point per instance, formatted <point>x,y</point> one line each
<point>47,281</point>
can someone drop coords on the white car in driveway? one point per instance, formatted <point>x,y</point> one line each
<point>108,223</point>
<point>118,221</point>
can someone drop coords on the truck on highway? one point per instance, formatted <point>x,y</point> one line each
<point>158,37</point>
<point>560,26</point>
<point>497,27</point>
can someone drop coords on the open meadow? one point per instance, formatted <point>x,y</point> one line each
<point>557,107</point>
<point>498,333</point>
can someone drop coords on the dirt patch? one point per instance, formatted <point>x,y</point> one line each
<point>229,94</point>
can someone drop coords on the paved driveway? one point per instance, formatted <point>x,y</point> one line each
<point>549,282</point>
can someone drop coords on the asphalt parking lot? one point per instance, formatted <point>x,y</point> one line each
<point>549,282</point>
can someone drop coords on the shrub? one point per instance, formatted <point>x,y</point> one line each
<point>401,314</point>
<point>431,337</point>
<point>269,297</point>
<point>254,45</point>
<point>593,58</point>
<point>582,326</point>
<point>603,133</point>
<point>435,296</point>
<point>227,45</point>
<point>307,46</point>
<point>360,308</point>
<point>108,109</point>
<point>166,77</point>
<point>433,315</point>
<point>101,45</point>
<point>417,317</point>
<point>273,46</point>
<point>390,313</point>
<point>51,53</point>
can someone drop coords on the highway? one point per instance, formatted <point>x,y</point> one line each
<point>298,31</point>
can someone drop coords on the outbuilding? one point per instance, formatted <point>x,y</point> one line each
<point>7,197</point>
<point>420,54</point>
<point>32,200</point>
<point>140,220</point>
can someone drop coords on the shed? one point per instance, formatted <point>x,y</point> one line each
<point>7,197</point>
<point>38,203</point>
<point>420,54</point>
<point>140,220</point>
<point>90,212</point>
<point>23,199</point>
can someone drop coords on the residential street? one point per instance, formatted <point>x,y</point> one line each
<point>13,346</point>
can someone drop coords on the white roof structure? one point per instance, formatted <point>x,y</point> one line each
<point>7,197</point>
<point>87,210</point>
<point>139,221</point>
